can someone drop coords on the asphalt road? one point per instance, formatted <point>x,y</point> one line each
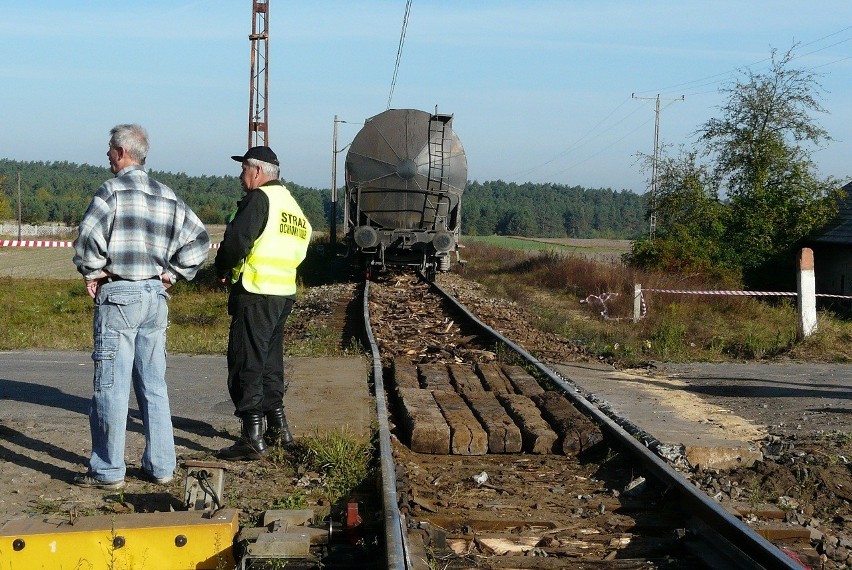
<point>54,387</point>
<point>785,396</point>
<point>57,386</point>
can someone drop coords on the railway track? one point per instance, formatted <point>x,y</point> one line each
<point>480,468</point>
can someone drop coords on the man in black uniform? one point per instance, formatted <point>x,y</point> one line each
<point>263,245</point>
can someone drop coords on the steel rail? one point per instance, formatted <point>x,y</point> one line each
<point>394,546</point>
<point>745,545</point>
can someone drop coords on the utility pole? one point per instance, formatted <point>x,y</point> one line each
<point>654,187</point>
<point>258,131</point>
<point>333,225</point>
<point>334,152</point>
<point>19,205</point>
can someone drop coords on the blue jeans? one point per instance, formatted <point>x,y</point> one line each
<point>130,348</point>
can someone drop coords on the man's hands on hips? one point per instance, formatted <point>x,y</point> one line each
<point>92,285</point>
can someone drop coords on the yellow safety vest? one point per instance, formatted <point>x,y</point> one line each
<point>270,266</point>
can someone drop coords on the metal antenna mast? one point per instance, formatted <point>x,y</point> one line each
<point>654,163</point>
<point>258,132</point>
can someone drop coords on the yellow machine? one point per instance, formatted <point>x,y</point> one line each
<point>141,541</point>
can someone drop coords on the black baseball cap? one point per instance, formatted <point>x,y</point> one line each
<point>261,153</point>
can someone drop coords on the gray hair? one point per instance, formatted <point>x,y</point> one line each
<point>132,138</point>
<point>270,170</point>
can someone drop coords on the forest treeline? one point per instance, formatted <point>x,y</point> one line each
<point>61,192</point>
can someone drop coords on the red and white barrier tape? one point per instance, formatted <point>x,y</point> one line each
<point>604,297</point>
<point>748,293</point>
<point>35,243</point>
<point>48,243</point>
<point>691,292</point>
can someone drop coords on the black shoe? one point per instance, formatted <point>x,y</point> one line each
<point>278,437</point>
<point>243,450</point>
<point>277,431</point>
<point>250,446</point>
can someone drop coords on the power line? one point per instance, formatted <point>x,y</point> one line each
<point>595,132</point>
<point>601,150</point>
<point>725,74</point>
<point>399,50</point>
<point>573,145</point>
<point>692,88</point>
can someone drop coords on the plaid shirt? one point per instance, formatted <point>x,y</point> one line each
<point>137,228</point>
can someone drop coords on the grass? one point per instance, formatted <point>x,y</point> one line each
<point>344,460</point>
<point>603,249</point>
<point>56,314</point>
<point>563,291</point>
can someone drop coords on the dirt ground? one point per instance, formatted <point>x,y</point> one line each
<point>806,410</point>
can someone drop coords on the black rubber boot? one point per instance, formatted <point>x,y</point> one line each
<point>277,430</point>
<point>250,446</point>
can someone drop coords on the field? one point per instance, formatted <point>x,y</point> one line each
<point>56,262</point>
<point>609,250</point>
<point>564,281</point>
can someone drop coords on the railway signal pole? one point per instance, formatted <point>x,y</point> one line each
<point>654,188</point>
<point>258,131</point>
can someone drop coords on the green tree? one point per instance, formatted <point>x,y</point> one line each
<point>762,145</point>
<point>690,219</point>
<point>6,210</point>
<point>518,223</point>
<point>758,155</point>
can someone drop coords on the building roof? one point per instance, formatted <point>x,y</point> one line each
<point>839,231</point>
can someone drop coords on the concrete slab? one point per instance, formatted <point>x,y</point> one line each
<point>329,394</point>
<point>709,436</point>
<point>53,389</point>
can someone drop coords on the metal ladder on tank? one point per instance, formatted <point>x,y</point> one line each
<point>439,159</point>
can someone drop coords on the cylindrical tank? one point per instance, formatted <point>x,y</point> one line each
<point>406,170</point>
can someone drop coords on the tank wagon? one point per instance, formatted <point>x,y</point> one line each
<point>406,171</point>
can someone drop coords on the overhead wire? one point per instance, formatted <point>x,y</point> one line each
<point>577,142</point>
<point>399,51</point>
<point>728,73</point>
<point>692,86</point>
<point>599,151</point>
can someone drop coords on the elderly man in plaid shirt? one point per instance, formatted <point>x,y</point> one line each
<point>136,239</point>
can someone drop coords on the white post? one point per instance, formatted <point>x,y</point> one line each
<point>637,302</point>
<point>807,294</point>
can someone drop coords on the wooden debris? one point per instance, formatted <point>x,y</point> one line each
<point>428,430</point>
<point>523,381</point>
<point>537,435</point>
<point>503,435</point>
<point>405,373</point>
<point>577,433</point>
<point>435,377</point>
<point>465,379</point>
<point>493,378</point>
<point>501,546</point>
<point>466,435</point>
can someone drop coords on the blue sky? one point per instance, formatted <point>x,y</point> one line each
<point>541,90</point>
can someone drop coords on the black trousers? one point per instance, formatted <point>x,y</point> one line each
<point>256,351</point>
